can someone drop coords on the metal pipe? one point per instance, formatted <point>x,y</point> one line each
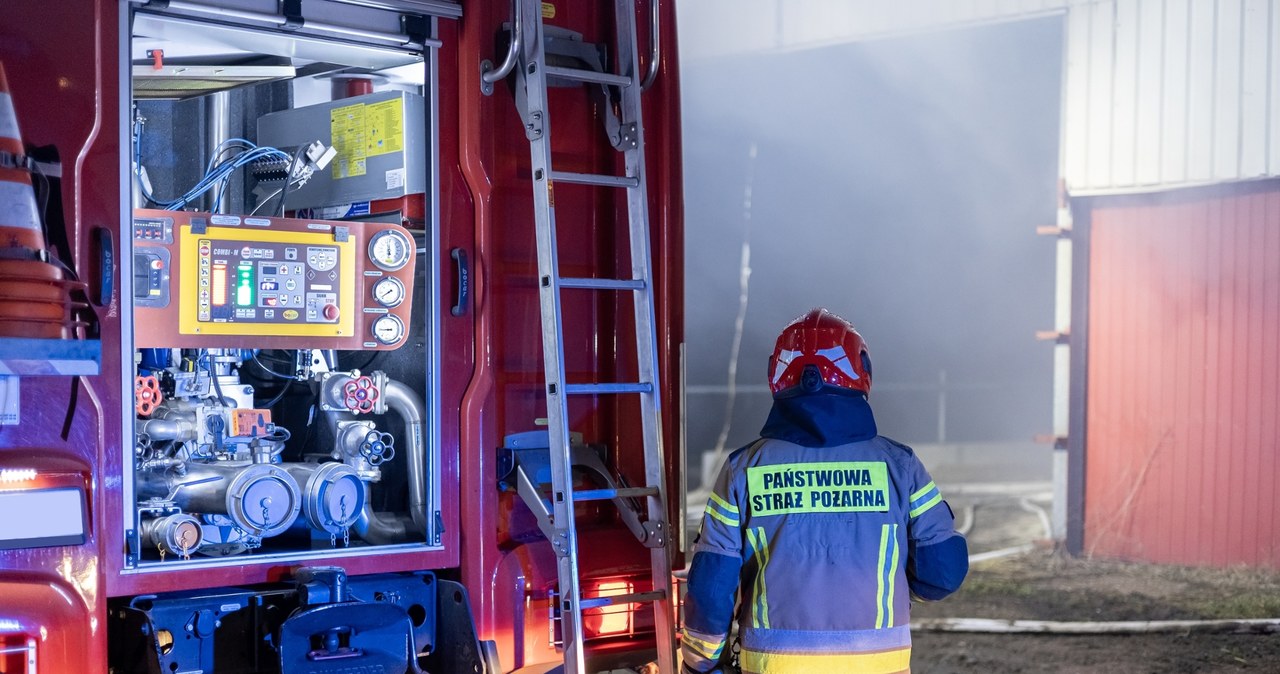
<point>385,528</point>
<point>513,49</point>
<point>990,626</point>
<point>262,499</point>
<point>168,429</point>
<point>404,401</point>
<point>655,50</point>
<point>379,528</point>
<point>217,117</point>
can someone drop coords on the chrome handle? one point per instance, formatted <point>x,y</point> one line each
<point>489,76</point>
<point>655,51</point>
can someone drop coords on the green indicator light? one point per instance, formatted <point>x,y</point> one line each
<point>244,286</point>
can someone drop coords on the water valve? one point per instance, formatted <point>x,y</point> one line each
<point>146,395</point>
<point>359,395</point>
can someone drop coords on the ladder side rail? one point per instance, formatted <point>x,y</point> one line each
<point>565,543</point>
<point>646,334</point>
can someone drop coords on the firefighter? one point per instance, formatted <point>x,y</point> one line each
<point>822,530</point>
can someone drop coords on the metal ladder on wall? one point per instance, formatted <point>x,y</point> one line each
<point>626,133</point>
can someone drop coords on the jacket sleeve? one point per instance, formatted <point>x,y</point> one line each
<point>937,556</point>
<point>713,577</point>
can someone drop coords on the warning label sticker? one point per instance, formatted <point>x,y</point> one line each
<point>347,128</point>
<point>384,127</point>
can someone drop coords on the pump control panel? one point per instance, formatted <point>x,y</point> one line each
<point>205,280</point>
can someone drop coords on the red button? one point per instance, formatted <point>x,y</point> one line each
<point>157,264</point>
<point>331,312</point>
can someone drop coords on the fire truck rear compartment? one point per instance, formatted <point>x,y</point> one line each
<point>284,409</point>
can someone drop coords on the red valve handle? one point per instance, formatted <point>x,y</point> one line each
<point>146,395</point>
<point>359,395</point>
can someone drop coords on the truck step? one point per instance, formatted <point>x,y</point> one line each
<point>590,76</point>
<point>595,179</point>
<point>603,283</point>
<point>607,389</point>
<point>618,599</point>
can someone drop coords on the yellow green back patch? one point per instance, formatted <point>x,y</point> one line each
<point>836,487</point>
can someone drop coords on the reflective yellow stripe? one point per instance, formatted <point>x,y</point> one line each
<point>721,502</point>
<point>884,543</point>
<point>706,649</point>
<point>887,662</point>
<point>931,503</point>
<point>922,492</point>
<point>764,590</point>
<point>759,584</point>
<point>893,572</point>
<point>716,514</point>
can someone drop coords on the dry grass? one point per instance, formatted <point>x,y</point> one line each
<point>1052,587</point>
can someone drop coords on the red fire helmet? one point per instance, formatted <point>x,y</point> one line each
<point>837,353</point>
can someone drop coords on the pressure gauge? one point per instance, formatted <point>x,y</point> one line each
<point>390,249</point>
<point>388,329</point>
<point>389,292</point>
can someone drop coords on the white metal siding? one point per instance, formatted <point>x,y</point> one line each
<point>1159,93</point>
<point>1173,92</point>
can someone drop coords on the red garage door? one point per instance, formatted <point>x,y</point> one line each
<point>1183,388</point>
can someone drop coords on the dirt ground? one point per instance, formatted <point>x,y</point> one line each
<point>1045,586</point>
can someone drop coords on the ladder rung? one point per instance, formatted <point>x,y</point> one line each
<point>588,76</point>
<point>602,283</point>
<point>620,492</point>
<point>633,598</point>
<point>595,179</point>
<point>598,389</point>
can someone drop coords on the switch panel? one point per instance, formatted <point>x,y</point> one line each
<point>265,282</point>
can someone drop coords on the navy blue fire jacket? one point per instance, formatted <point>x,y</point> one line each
<point>820,532</point>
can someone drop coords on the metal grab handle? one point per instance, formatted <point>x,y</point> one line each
<point>655,51</point>
<point>489,77</point>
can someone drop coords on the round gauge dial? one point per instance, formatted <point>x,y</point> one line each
<point>390,249</point>
<point>388,329</point>
<point>389,292</point>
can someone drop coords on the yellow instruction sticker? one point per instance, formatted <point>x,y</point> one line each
<point>548,10</point>
<point>384,127</point>
<point>347,128</point>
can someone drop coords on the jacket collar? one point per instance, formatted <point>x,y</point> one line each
<point>820,420</point>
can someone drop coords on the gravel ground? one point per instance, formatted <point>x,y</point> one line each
<point>1046,586</point>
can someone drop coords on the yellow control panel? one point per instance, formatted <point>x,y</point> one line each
<point>206,280</point>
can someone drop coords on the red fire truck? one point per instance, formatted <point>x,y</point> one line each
<point>324,351</point>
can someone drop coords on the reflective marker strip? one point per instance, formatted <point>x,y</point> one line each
<point>887,662</point>
<point>891,576</point>
<point>8,119</point>
<point>755,600</point>
<point>884,544</point>
<point>721,502</point>
<point>764,590</point>
<point>711,510</point>
<point>925,490</point>
<point>760,604</point>
<point>18,206</point>
<point>916,512</point>
<point>704,648</point>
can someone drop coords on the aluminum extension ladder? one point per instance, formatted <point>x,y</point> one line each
<point>626,134</point>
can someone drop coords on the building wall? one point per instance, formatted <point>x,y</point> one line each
<point>1158,93</point>
<point>1182,437</point>
<point>1171,92</point>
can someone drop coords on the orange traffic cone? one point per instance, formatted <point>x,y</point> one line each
<point>34,297</point>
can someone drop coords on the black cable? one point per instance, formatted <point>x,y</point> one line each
<point>279,396</point>
<point>270,371</point>
<point>217,388</point>
<point>288,180</point>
